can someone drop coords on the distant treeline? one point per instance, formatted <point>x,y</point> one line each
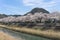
<point>36,18</point>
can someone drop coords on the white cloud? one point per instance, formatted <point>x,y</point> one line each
<point>31,2</point>
<point>40,3</point>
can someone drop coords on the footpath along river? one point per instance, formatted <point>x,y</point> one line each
<point>22,36</point>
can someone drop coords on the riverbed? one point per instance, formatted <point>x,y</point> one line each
<point>22,36</point>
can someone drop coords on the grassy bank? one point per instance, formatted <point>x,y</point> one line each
<point>4,36</point>
<point>47,34</point>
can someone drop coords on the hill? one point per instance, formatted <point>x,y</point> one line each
<point>38,10</point>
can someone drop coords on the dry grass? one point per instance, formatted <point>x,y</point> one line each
<point>4,36</point>
<point>48,34</point>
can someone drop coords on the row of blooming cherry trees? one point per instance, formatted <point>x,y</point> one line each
<point>35,19</point>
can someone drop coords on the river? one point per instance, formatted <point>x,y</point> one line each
<point>23,36</point>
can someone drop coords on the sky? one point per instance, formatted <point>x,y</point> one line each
<point>20,7</point>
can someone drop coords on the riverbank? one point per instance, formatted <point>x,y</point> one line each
<point>4,36</point>
<point>48,34</point>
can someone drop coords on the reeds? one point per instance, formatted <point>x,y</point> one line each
<point>48,34</point>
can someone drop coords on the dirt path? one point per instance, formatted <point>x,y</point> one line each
<point>4,36</point>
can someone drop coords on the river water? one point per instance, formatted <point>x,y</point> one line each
<point>22,36</point>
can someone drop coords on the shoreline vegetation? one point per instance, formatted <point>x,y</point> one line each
<point>38,21</point>
<point>43,33</point>
<point>4,36</point>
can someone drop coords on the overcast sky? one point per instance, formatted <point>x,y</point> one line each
<point>23,6</point>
